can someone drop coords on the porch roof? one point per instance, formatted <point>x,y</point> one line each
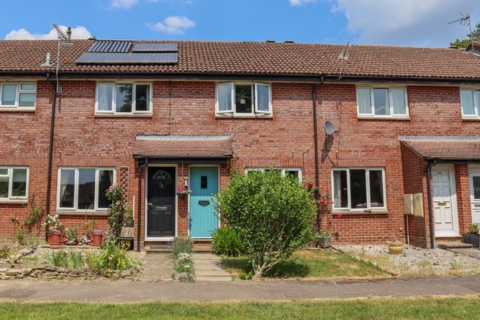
<point>446,149</point>
<point>168,147</point>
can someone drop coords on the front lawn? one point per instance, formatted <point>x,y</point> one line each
<point>371,308</point>
<point>310,264</point>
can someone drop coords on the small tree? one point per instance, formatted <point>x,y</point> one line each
<point>272,215</point>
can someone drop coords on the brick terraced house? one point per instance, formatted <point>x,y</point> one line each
<point>153,116</point>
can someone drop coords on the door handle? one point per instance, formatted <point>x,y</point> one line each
<point>203,202</point>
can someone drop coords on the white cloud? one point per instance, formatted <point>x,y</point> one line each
<point>406,22</point>
<point>22,34</point>
<point>123,3</point>
<point>300,2</point>
<point>173,25</point>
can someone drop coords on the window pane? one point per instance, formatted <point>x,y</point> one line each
<point>340,189</point>
<point>224,97</point>
<point>3,171</point>
<point>380,101</point>
<point>124,98</point>
<point>243,99</point>
<point>105,97</point>
<point>263,98</point>
<point>8,94</point>
<point>476,187</point>
<point>478,101</point>
<point>467,102</point>
<point>358,189</point>
<point>3,187</point>
<point>364,101</point>
<point>293,173</point>
<point>398,99</point>
<point>67,188</point>
<point>27,100</point>
<point>142,97</point>
<point>106,180</point>
<point>27,87</point>
<point>86,189</point>
<point>376,188</point>
<point>19,183</point>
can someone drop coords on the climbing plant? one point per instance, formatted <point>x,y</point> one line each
<point>117,209</point>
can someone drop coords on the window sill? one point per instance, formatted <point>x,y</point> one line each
<point>471,119</point>
<point>80,213</point>
<point>220,116</point>
<point>383,118</point>
<point>2,109</point>
<point>369,212</point>
<point>13,201</point>
<point>135,115</point>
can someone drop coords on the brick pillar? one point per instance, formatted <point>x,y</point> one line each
<point>462,184</point>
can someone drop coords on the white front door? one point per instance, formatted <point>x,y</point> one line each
<point>475,196</point>
<point>443,202</point>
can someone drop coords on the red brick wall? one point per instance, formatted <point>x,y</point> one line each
<point>462,185</point>
<point>81,139</point>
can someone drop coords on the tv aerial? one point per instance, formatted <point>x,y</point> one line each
<point>465,21</point>
<point>63,39</point>
<point>329,128</point>
<point>344,56</point>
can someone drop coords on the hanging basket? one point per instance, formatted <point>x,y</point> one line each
<point>182,195</point>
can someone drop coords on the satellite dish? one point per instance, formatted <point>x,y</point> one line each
<point>329,128</point>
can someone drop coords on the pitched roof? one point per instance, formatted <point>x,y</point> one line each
<point>182,147</point>
<point>210,57</point>
<point>466,150</point>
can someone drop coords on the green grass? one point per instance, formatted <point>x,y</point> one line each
<point>372,308</point>
<point>310,264</point>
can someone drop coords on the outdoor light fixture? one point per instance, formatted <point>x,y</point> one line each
<point>186,182</point>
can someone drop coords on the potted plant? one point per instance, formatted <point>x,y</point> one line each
<point>395,246</point>
<point>324,239</point>
<point>474,236</point>
<point>183,194</point>
<point>71,235</point>
<point>97,237</point>
<point>54,226</point>
<point>56,236</point>
<point>128,220</point>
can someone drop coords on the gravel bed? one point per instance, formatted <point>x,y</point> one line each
<point>415,261</point>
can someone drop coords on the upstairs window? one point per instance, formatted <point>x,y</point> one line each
<point>243,99</point>
<point>470,100</point>
<point>13,183</point>
<point>123,98</point>
<point>20,96</point>
<point>382,102</point>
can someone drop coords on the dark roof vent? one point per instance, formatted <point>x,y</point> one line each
<point>289,41</point>
<point>270,41</point>
<point>453,47</point>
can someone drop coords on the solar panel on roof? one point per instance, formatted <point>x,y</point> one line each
<point>110,46</point>
<point>91,57</point>
<point>116,58</point>
<point>166,47</point>
<point>140,58</point>
<point>145,47</point>
<point>165,58</point>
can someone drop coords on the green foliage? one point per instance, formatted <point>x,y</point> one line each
<point>111,258</point>
<point>110,240</point>
<point>35,213</point>
<point>466,42</point>
<point>271,214</point>
<point>117,209</point>
<point>325,234</point>
<point>225,241</point>
<point>473,228</point>
<point>72,232</point>
<point>89,227</point>
<point>21,236</point>
<point>55,260</point>
<point>182,244</point>
<point>4,252</point>
<point>75,260</point>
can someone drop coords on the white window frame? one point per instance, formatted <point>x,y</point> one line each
<point>9,175</point>
<point>233,111</point>
<point>18,90</point>
<point>369,207</point>
<point>283,170</point>
<point>76,188</point>
<point>476,104</point>
<point>114,98</point>
<point>391,115</point>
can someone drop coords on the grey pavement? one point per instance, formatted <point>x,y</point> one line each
<point>140,291</point>
<point>157,267</point>
<point>208,267</point>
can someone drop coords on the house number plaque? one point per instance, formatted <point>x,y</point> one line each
<point>442,203</point>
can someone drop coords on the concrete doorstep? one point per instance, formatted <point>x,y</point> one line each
<point>208,267</point>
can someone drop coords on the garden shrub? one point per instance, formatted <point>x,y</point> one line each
<point>182,244</point>
<point>225,241</point>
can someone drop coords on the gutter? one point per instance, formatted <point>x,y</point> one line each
<point>317,179</point>
<point>140,203</point>
<point>430,205</point>
<point>50,152</point>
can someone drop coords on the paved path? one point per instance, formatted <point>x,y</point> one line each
<point>140,291</point>
<point>208,267</point>
<point>157,267</point>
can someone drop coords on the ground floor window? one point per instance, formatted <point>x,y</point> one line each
<point>359,189</point>
<point>295,172</point>
<point>13,183</point>
<point>81,189</point>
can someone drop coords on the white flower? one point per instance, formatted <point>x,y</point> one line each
<point>66,229</point>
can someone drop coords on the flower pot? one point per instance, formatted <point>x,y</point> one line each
<point>475,238</point>
<point>97,239</point>
<point>182,195</point>
<point>129,223</point>
<point>49,238</point>
<point>395,248</point>
<point>324,242</point>
<point>467,238</point>
<point>55,238</point>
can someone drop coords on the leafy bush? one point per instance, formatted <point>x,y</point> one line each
<point>225,241</point>
<point>56,260</point>
<point>4,252</point>
<point>271,214</point>
<point>111,258</point>
<point>182,244</point>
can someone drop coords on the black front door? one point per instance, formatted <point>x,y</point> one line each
<point>161,202</point>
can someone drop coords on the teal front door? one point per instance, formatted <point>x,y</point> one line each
<point>203,183</point>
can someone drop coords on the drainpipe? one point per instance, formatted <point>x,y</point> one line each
<point>139,214</point>
<point>50,153</point>
<point>317,179</point>
<point>430,208</point>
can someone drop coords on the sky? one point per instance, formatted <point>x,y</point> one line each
<point>419,23</point>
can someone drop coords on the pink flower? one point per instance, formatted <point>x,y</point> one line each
<point>180,189</point>
<point>117,203</point>
<point>116,185</point>
<point>321,197</point>
<point>327,191</point>
<point>322,202</point>
<point>110,188</point>
<point>339,216</point>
